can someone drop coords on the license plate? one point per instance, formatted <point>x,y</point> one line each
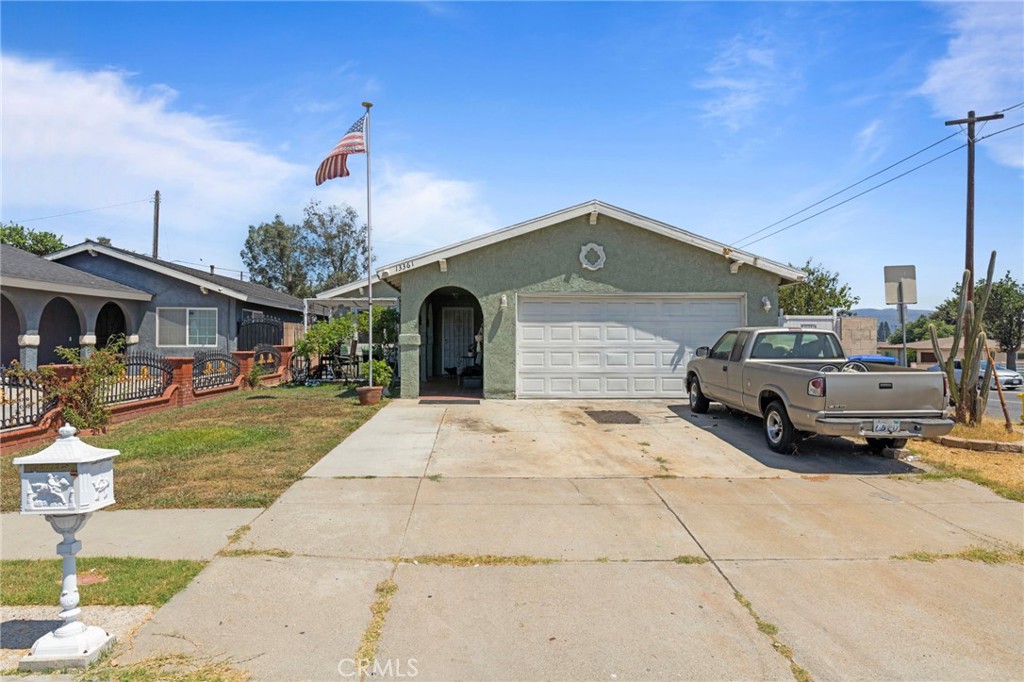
<point>886,425</point>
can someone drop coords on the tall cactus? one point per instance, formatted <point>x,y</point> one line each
<point>970,403</point>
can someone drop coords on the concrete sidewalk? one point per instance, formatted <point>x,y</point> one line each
<point>146,533</point>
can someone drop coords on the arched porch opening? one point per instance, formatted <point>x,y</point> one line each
<point>59,325</point>
<point>451,343</point>
<point>110,323</point>
<point>10,330</point>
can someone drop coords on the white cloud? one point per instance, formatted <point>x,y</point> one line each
<point>415,211</point>
<point>744,75</point>
<point>75,140</point>
<point>871,141</point>
<point>981,71</point>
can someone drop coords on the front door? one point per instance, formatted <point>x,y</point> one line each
<point>456,338</point>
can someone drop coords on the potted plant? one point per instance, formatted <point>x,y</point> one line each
<point>382,373</point>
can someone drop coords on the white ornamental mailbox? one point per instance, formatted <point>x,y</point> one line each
<point>69,477</point>
<point>66,482</point>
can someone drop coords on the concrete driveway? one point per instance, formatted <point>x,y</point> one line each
<point>673,547</point>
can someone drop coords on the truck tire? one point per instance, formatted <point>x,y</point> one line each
<point>699,402</point>
<point>778,429</point>
<point>876,445</point>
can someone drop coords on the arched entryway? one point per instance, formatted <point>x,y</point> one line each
<point>451,343</point>
<point>10,329</point>
<point>58,326</point>
<point>110,323</point>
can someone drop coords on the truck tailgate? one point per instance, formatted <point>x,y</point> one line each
<point>885,393</point>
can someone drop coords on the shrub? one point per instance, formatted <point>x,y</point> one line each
<point>382,373</point>
<point>254,377</point>
<point>82,397</point>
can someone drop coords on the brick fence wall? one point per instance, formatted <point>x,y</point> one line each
<point>178,394</point>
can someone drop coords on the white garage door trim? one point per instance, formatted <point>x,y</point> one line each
<point>616,345</point>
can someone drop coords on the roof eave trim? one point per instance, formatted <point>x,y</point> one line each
<point>59,288</point>
<point>155,267</point>
<point>792,274</point>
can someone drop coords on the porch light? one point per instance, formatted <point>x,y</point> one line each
<point>504,301</point>
<point>766,303</point>
<point>66,483</point>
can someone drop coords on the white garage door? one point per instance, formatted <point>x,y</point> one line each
<point>631,346</point>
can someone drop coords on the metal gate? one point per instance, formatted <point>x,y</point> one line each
<point>260,330</point>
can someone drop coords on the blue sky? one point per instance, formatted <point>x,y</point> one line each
<point>718,118</point>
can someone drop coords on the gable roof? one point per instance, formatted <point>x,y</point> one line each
<point>354,290</point>
<point>594,208</point>
<point>19,268</point>
<point>234,288</point>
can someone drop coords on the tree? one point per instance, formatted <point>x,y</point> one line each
<point>918,330</point>
<point>883,332</point>
<point>37,242</point>
<point>1004,315</point>
<point>275,255</point>
<point>336,243</point>
<point>326,250</point>
<point>819,295</point>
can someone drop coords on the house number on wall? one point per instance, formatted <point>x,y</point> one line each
<point>592,256</point>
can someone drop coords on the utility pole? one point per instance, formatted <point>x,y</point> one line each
<point>156,224</point>
<point>969,248</point>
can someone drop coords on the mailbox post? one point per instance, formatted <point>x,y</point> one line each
<point>65,483</point>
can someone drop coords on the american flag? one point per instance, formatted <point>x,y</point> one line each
<point>335,166</point>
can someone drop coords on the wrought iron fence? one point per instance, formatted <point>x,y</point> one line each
<point>260,330</point>
<point>145,375</point>
<point>267,358</point>
<point>213,368</point>
<point>299,368</point>
<point>22,401</point>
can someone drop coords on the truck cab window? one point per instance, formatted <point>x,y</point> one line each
<point>722,349</point>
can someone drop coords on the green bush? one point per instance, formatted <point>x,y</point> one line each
<point>382,373</point>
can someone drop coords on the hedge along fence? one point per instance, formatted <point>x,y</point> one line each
<point>178,392</point>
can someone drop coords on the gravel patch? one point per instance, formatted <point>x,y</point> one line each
<point>21,626</point>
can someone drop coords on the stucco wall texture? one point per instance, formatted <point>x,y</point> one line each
<point>547,261</point>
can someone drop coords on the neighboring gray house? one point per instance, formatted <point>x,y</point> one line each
<point>592,301</point>
<point>188,309</point>
<point>44,305</point>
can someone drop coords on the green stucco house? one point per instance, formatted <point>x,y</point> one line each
<point>592,301</point>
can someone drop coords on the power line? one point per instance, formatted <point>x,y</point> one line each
<point>88,210</point>
<point>835,194</point>
<point>860,194</point>
<point>1015,106</point>
<point>977,139</point>
<point>1001,130</point>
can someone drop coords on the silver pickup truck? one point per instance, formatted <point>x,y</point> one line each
<point>800,383</point>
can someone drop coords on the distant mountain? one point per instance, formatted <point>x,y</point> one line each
<point>891,315</point>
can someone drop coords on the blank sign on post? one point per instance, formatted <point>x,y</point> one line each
<point>896,275</point>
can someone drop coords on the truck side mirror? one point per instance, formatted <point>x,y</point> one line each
<point>702,352</point>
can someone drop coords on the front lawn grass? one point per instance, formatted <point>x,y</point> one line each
<point>1002,472</point>
<point>240,450</point>
<point>121,581</point>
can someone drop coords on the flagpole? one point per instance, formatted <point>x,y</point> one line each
<point>369,247</point>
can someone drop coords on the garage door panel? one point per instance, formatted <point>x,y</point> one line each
<point>615,332</point>
<point>616,386</point>
<point>621,346</point>
<point>672,385</point>
<point>560,332</point>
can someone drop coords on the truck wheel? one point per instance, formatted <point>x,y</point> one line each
<point>699,402</point>
<point>876,445</point>
<point>778,430</point>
